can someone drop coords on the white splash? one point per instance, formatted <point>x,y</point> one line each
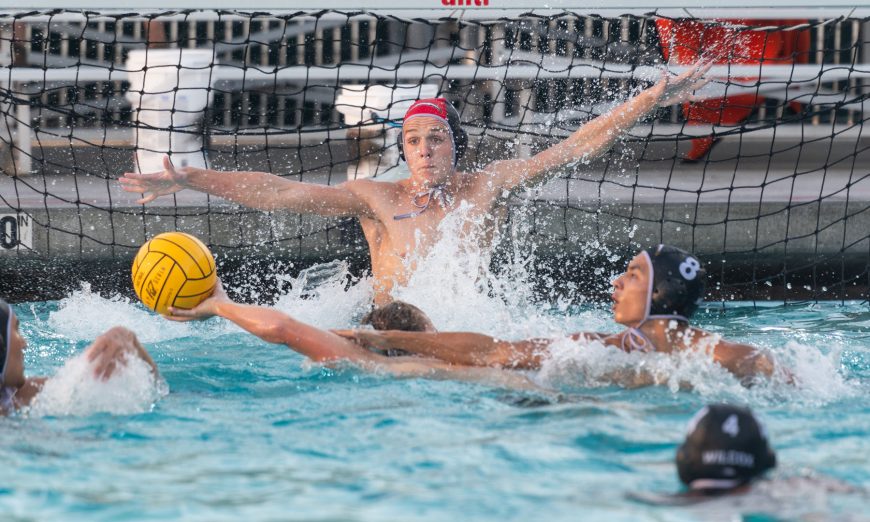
<point>804,375</point>
<point>325,295</point>
<point>455,285</point>
<point>815,372</point>
<point>84,315</point>
<point>74,390</point>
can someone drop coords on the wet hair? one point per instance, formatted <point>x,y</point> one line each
<point>398,315</point>
<point>676,282</point>
<point>726,447</point>
<point>6,315</point>
<point>445,111</point>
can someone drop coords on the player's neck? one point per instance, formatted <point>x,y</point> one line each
<point>665,334</point>
<point>416,185</point>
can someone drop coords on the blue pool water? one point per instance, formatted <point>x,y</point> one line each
<point>250,431</point>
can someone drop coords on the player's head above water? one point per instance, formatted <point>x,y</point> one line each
<point>726,447</point>
<point>398,315</point>
<point>660,282</point>
<point>432,126</point>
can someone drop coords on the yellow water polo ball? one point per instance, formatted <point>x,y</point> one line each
<point>173,269</point>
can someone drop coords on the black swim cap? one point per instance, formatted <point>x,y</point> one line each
<point>6,315</point>
<point>677,281</point>
<point>726,447</point>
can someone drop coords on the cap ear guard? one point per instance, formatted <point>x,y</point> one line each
<point>400,144</point>
<point>678,281</point>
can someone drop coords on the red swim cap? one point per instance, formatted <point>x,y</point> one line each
<point>443,110</point>
<point>436,107</point>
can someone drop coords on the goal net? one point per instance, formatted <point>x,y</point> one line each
<point>764,175</point>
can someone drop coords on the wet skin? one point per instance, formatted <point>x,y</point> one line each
<point>429,152</point>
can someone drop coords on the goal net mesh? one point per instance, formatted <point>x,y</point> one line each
<point>764,175</point>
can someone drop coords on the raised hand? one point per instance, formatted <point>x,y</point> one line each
<point>155,184</point>
<point>203,310</point>
<point>111,349</point>
<point>679,89</point>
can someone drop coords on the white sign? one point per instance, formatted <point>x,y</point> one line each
<point>16,231</point>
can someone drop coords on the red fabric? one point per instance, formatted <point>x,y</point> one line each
<point>429,107</point>
<point>686,42</point>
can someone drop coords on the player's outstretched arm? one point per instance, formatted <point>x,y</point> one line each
<point>258,190</point>
<point>597,136</point>
<point>461,348</point>
<point>277,327</point>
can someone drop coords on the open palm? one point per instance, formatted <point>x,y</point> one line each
<point>154,184</point>
<point>681,88</point>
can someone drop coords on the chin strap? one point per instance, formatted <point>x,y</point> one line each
<point>426,196</point>
<point>635,340</point>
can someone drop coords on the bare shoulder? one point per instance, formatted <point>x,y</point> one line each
<point>360,186</point>
<point>490,179</point>
<point>370,190</point>
<point>374,196</point>
<point>499,168</point>
<point>743,360</point>
<point>732,350</point>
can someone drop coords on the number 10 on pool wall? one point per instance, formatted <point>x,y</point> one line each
<point>16,232</point>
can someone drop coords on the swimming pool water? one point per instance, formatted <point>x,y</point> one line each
<point>249,431</point>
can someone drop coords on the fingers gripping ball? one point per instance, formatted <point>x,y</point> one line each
<point>173,269</point>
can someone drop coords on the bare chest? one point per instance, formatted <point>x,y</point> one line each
<point>404,223</point>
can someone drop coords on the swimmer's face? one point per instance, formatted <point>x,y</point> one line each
<point>428,149</point>
<point>630,293</point>
<point>15,358</point>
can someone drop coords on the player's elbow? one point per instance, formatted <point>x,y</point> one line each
<point>277,332</point>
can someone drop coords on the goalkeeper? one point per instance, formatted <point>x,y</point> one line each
<point>401,218</point>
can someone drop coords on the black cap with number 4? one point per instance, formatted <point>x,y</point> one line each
<point>726,447</point>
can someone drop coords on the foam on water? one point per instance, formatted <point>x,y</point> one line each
<point>804,375</point>
<point>346,445</point>
<point>456,286</point>
<point>83,315</point>
<point>74,390</point>
<point>322,296</point>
